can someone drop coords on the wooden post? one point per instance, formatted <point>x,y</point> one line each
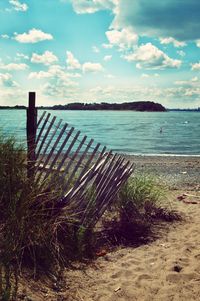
<point>31,128</point>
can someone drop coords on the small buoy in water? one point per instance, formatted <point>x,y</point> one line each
<point>161,130</point>
<point>185,122</point>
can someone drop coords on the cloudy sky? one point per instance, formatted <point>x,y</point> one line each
<point>100,51</point>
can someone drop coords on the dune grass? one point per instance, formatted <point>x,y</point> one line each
<point>31,223</point>
<point>36,231</point>
<point>140,201</point>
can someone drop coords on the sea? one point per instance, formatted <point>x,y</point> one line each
<point>126,132</point>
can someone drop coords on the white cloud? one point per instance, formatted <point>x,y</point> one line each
<point>18,6</point>
<point>103,90</point>
<point>175,42</point>
<point>195,79</point>
<point>33,36</point>
<point>22,55</point>
<point>59,88</point>
<point>13,67</point>
<point>198,43</point>
<point>144,75</point>
<point>6,80</point>
<point>109,76</point>
<point>126,38</point>
<point>47,58</point>
<point>107,46</point>
<point>149,56</point>
<point>192,92</point>
<point>189,88</point>
<point>107,58</point>
<point>54,71</point>
<point>169,18</point>
<point>92,67</point>
<point>181,53</point>
<point>92,6</point>
<point>95,49</point>
<point>40,75</point>
<point>192,84</point>
<point>72,62</point>
<point>195,66</point>
<point>5,36</point>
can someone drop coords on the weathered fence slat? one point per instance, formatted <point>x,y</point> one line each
<point>71,177</point>
<point>42,156</point>
<point>110,197</point>
<point>45,137</point>
<point>102,187</point>
<point>66,156</point>
<point>73,160</point>
<point>59,154</point>
<point>86,176</point>
<point>40,119</point>
<point>86,179</point>
<point>90,177</point>
<point>52,150</point>
<point>42,128</point>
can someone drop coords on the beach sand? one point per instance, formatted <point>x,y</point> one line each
<point>165,269</point>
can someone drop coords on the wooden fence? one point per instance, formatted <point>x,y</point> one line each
<point>89,175</point>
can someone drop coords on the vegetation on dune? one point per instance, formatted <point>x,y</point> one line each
<point>31,224</point>
<point>139,203</point>
<point>36,231</point>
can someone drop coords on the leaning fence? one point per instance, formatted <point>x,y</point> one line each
<point>88,173</point>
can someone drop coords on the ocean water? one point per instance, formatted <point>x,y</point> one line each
<point>148,133</point>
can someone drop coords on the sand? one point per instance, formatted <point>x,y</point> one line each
<point>164,270</point>
<point>178,172</point>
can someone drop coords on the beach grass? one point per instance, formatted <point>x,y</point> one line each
<point>36,232</point>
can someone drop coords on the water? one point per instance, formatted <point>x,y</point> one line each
<point>124,131</point>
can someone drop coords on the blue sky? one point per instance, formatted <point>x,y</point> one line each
<point>100,51</point>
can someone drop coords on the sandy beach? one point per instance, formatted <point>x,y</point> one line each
<point>165,269</point>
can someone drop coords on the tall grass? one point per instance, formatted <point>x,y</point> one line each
<point>32,224</point>
<point>138,203</point>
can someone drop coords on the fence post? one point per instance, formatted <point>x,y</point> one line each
<point>31,128</point>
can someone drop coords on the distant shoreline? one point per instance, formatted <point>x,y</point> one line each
<point>133,106</point>
<point>118,110</point>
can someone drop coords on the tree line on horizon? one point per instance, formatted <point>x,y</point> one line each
<point>142,106</point>
<point>134,106</point>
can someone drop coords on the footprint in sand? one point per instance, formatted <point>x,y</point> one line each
<point>145,277</point>
<point>175,278</point>
<point>130,262</point>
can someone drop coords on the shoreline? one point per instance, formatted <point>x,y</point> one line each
<point>177,172</point>
<point>159,155</point>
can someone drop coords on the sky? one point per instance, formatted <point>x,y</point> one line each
<point>100,51</point>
